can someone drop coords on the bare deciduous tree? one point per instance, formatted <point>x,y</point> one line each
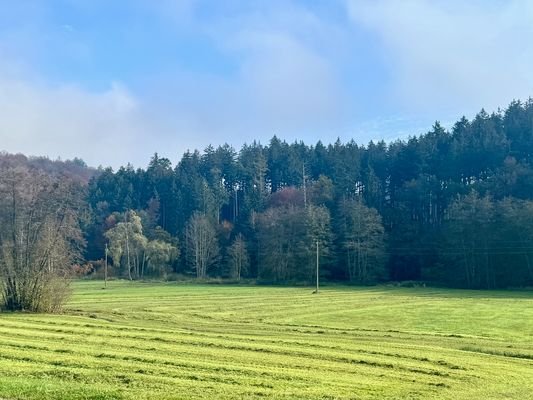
<point>239,259</point>
<point>39,238</point>
<point>202,244</point>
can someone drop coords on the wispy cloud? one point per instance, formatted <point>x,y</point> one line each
<point>453,54</point>
<point>68,121</point>
<point>171,75</point>
<point>282,83</point>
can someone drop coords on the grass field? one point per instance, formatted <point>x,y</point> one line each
<point>171,341</point>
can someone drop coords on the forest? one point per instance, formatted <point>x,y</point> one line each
<point>451,207</point>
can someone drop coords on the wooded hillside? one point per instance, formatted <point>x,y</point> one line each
<point>448,207</point>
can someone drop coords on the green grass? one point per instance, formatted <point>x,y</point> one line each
<point>172,341</point>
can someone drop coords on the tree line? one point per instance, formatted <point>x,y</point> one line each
<point>452,207</point>
<point>449,207</point>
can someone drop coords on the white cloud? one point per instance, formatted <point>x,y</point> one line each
<point>68,121</point>
<point>283,84</point>
<point>283,81</point>
<point>453,55</point>
<point>293,70</point>
<point>292,86</point>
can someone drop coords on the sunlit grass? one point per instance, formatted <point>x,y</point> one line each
<point>172,341</point>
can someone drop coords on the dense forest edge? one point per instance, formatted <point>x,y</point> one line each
<point>449,207</point>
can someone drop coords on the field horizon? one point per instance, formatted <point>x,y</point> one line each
<point>180,341</point>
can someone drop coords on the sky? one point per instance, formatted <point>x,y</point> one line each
<point>113,82</point>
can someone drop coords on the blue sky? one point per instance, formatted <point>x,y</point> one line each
<point>115,81</point>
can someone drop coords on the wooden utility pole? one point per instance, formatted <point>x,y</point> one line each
<point>317,265</point>
<point>105,266</point>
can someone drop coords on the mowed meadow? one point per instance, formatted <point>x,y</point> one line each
<point>177,341</point>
